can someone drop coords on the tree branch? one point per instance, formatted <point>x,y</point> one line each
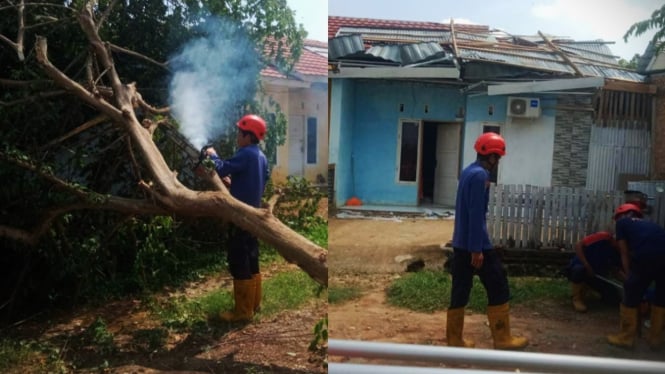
<point>149,108</point>
<point>105,15</point>
<point>162,65</point>
<point>112,203</point>
<point>15,83</point>
<point>87,125</point>
<point>40,95</point>
<point>64,81</point>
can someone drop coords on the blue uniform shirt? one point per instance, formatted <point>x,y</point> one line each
<point>645,239</point>
<point>599,253</point>
<point>470,230</point>
<point>249,173</point>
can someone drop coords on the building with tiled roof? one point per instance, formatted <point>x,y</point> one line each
<point>302,96</point>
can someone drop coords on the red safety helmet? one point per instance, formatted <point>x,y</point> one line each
<point>625,208</point>
<point>254,124</point>
<point>490,142</point>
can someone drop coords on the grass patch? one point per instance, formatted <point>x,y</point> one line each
<point>338,295</point>
<point>429,291</point>
<point>316,231</point>
<point>425,291</point>
<point>13,353</point>
<point>525,290</point>
<point>29,356</point>
<point>288,290</point>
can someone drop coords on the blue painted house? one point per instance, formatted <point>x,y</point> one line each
<point>408,99</point>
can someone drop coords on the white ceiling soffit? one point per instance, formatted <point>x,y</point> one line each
<point>396,73</point>
<point>545,86</point>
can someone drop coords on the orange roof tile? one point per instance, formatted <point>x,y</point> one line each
<point>335,22</point>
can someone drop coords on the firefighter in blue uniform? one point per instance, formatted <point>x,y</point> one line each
<point>474,253</point>
<point>642,249</point>
<point>595,254</point>
<point>249,173</point>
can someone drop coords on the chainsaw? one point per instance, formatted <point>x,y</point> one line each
<point>203,158</point>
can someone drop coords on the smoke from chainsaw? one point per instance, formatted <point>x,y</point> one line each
<point>213,74</point>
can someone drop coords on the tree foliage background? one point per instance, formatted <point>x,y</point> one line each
<point>656,22</point>
<point>54,148</point>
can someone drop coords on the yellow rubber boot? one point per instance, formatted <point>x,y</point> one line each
<point>657,324</point>
<point>258,294</point>
<point>455,328</point>
<point>499,319</point>
<point>243,294</point>
<point>628,328</point>
<point>579,291</point>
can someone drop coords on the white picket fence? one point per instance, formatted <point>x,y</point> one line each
<point>523,216</point>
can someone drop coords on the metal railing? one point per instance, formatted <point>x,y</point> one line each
<point>509,360</point>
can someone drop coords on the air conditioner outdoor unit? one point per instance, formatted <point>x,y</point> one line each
<point>524,107</point>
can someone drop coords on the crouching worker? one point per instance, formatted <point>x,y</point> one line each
<point>248,170</point>
<point>595,254</point>
<point>474,254</point>
<point>642,248</point>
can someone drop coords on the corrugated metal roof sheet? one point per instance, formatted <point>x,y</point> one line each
<point>345,46</point>
<point>386,52</point>
<point>525,60</point>
<point>589,55</point>
<point>397,35</point>
<point>370,41</point>
<point>413,53</point>
<point>407,54</point>
<point>610,72</point>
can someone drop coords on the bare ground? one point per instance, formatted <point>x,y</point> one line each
<point>363,253</point>
<point>277,344</point>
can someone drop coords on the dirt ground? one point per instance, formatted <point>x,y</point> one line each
<point>363,254</point>
<point>276,345</point>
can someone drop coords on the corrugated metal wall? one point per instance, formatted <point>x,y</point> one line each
<point>615,151</point>
<point>620,145</point>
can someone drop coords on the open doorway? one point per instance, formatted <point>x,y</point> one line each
<point>440,163</point>
<point>428,163</point>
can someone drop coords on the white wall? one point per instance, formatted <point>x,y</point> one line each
<point>529,147</point>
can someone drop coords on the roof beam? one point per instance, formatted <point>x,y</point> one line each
<point>561,53</point>
<point>630,87</point>
<point>395,72</point>
<point>545,86</point>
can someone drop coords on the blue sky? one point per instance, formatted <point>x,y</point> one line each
<point>579,19</point>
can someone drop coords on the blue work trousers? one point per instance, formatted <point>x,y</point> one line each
<point>643,272</point>
<point>243,254</point>
<point>576,273</point>
<point>492,276</point>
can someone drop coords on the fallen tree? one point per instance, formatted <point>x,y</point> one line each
<point>117,103</point>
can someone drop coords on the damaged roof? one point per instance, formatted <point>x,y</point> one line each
<point>482,53</point>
